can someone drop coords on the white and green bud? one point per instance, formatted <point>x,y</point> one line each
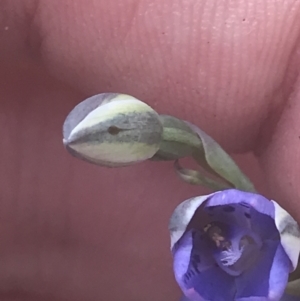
<point>112,129</point>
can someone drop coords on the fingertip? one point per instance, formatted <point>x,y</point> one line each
<point>280,160</point>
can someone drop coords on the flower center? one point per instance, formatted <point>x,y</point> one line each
<point>235,249</point>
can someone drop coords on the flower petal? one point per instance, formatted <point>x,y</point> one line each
<point>233,214</point>
<point>234,196</point>
<point>267,279</point>
<point>285,297</point>
<point>219,161</point>
<point>289,233</point>
<point>243,215</point>
<point>186,210</point>
<point>196,272</point>
<point>182,215</point>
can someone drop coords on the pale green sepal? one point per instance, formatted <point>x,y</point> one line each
<point>289,233</point>
<point>221,162</point>
<point>195,177</point>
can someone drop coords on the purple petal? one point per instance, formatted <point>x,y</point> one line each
<point>285,297</point>
<point>197,273</point>
<point>233,196</point>
<point>263,224</point>
<point>242,215</point>
<point>267,279</point>
<point>234,214</point>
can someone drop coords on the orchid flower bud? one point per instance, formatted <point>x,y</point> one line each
<point>115,130</point>
<point>112,129</point>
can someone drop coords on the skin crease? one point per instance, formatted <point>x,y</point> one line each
<point>74,231</point>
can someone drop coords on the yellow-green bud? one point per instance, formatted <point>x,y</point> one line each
<point>112,129</point>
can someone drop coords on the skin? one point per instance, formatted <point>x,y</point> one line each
<point>74,231</point>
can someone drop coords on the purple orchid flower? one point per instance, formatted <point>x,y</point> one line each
<point>233,245</point>
<point>285,297</point>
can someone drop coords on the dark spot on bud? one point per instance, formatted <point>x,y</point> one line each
<point>247,215</point>
<point>228,209</point>
<point>113,130</point>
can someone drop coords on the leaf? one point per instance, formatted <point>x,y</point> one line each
<point>182,139</point>
<point>196,178</point>
<point>220,162</point>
